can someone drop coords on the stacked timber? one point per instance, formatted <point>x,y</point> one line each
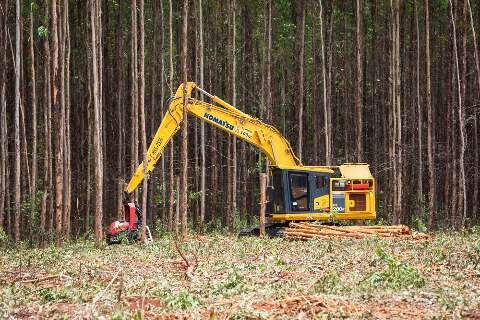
<point>307,231</point>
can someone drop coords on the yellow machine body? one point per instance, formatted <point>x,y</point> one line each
<point>321,190</point>
<point>346,194</point>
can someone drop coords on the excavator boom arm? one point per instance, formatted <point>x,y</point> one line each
<point>225,117</point>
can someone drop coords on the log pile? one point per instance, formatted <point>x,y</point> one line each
<point>307,231</point>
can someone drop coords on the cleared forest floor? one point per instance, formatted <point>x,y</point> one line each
<point>247,278</point>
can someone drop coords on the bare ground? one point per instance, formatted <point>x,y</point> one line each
<point>247,278</point>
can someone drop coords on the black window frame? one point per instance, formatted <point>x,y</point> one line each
<point>277,194</point>
<point>307,195</point>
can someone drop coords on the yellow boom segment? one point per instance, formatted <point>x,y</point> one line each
<point>226,117</point>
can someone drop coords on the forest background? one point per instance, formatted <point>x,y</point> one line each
<point>83,86</point>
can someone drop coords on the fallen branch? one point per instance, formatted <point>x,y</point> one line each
<point>190,266</point>
<point>37,280</point>
<point>101,293</point>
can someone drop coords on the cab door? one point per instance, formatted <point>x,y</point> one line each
<point>299,191</point>
<point>320,195</point>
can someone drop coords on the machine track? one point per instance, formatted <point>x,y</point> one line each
<point>272,229</point>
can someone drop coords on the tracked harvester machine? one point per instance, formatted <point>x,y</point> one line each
<point>296,192</point>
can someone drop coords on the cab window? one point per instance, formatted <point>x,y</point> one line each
<point>299,191</point>
<point>277,193</point>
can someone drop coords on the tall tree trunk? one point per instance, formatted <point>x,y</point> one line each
<point>3,119</point>
<point>315,107</point>
<point>263,202</point>
<point>195,62</point>
<point>61,93</point>
<point>68,168</point>
<point>97,124</point>
<point>58,113</point>
<point>451,178</point>
<point>202,123</point>
<point>359,82</point>
<point>326,110</point>
<point>398,116</point>
<point>247,75</point>
<point>177,205</point>
<point>300,51</point>
<point>461,117</point>
<point>184,152</point>
<point>463,81</point>
<point>328,64</point>
<point>34,112</point>
<point>142,117</point>
<point>227,216</point>
<point>475,124</point>
<point>216,167</point>
<point>47,159</point>
<point>234,102</point>
<point>8,211</point>
<point>374,93</point>
<point>157,97</point>
<point>16,119</point>
<point>430,131</point>
<point>134,93</point>
<point>89,148</point>
<point>346,91</point>
<point>162,101</point>
<point>419,118</point>
<point>120,111</point>
<point>170,84</point>
<point>392,115</point>
<point>98,217</point>
<point>23,130</point>
<point>391,118</point>
<point>228,187</point>
<point>268,83</point>
<point>151,208</point>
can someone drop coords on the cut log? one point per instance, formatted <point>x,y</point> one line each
<point>306,231</point>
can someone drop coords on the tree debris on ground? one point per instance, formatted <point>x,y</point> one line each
<point>307,231</point>
<point>247,278</point>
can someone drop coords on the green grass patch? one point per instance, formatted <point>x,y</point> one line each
<point>395,275</point>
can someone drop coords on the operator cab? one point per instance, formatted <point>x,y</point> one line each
<point>346,194</point>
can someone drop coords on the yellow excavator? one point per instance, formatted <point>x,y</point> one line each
<point>296,192</point>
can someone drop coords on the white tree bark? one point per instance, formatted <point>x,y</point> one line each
<point>461,117</point>
<point>16,119</point>
<point>97,124</point>
<point>475,121</point>
<point>202,123</point>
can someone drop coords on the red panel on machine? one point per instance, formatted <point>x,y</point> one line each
<point>360,186</point>
<point>131,215</point>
